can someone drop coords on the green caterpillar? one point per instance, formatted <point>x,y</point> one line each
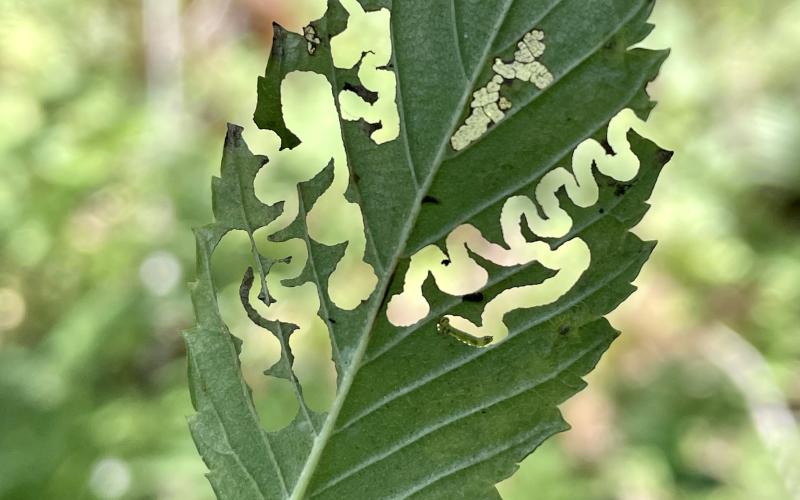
<point>443,326</point>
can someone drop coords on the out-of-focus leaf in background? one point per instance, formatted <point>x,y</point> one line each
<point>110,118</point>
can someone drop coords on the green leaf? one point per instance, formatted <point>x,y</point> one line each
<point>417,414</point>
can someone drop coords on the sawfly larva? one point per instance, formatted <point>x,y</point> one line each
<point>444,327</point>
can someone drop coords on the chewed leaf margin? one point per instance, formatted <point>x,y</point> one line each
<point>226,421</point>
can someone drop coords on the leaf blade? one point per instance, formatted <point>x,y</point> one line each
<point>389,377</point>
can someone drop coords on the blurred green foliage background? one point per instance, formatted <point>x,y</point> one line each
<point>112,116</point>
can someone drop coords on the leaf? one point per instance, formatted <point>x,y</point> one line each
<point>418,414</point>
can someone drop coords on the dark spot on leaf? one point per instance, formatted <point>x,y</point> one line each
<point>446,262</point>
<point>332,321</point>
<point>430,199</point>
<point>602,211</point>
<point>473,297</point>
<point>277,35</point>
<point>622,189</point>
<point>356,178</point>
<point>564,330</point>
<point>665,156</point>
<point>369,128</point>
<point>362,92</point>
<point>233,138</point>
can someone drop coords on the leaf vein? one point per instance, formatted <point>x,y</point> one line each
<point>513,111</point>
<point>456,38</point>
<point>322,299</point>
<point>431,429</point>
<point>401,109</point>
<point>482,457</point>
<point>477,353</point>
<point>321,441</point>
<point>236,455</point>
<point>559,156</point>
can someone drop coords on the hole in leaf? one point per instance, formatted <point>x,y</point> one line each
<point>366,42</point>
<point>544,218</point>
<point>473,297</point>
<point>362,92</point>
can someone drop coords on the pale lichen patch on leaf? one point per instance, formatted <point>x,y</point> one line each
<point>525,67</point>
<point>488,106</point>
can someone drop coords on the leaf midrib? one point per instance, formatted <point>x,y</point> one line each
<point>304,480</point>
